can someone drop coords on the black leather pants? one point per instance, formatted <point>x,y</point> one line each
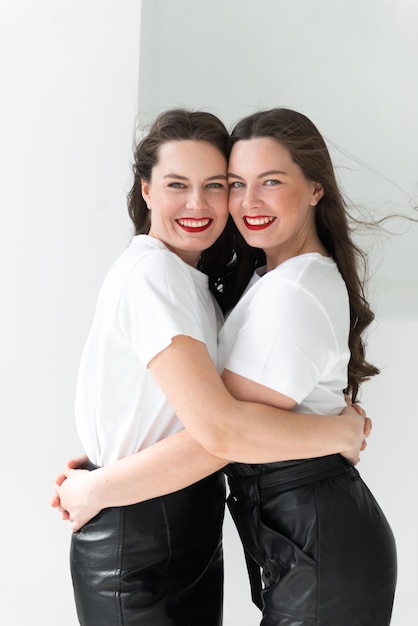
<point>325,550</point>
<point>157,563</point>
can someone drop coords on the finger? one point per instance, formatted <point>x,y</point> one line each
<point>54,501</point>
<point>359,409</point>
<point>75,527</point>
<point>368,425</point>
<point>60,479</point>
<point>63,476</point>
<point>79,462</point>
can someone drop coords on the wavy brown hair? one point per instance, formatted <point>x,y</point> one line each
<point>307,149</point>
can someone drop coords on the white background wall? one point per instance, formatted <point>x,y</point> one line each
<point>69,97</point>
<point>70,74</point>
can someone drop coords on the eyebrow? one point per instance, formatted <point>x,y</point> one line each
<point>268,173</point>
<point>179,177</point>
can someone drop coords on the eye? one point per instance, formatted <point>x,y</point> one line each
<point>176,185</point>
<point>271,182</point>
<point>215,186</point>
<point>236,184</point>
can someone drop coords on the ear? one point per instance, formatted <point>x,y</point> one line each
<point>145,192</point>
<point>317,193</point>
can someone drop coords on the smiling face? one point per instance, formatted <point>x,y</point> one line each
<point>271,201</point>
<point>188,197</point>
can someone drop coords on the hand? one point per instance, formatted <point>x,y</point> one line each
<point>79,462</point>
<point>73,494</point>
<point>75,463</point>
<point>56,503</point>
<point>368,424</point>
<point>353,455</point>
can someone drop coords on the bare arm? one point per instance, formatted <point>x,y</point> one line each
<point>228,427</point>
<point>167,466</point>
<point>248,432</point>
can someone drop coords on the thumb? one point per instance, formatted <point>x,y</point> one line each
<point>75,526</point>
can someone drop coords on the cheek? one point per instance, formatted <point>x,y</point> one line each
<point>220,206</point>
<point>233,205</point>
<point>162,211</point>
<point>236,216</point>
<point>223,206</point>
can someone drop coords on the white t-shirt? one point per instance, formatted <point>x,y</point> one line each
<point>289,332</point>
<point>148,297</point>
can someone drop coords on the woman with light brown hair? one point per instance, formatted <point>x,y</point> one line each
<point>295,340</point>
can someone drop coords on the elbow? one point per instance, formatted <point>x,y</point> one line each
<point>218,428</point>
<point>220,440</point>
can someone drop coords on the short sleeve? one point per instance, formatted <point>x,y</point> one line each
<point>158,302</point>
<point>285,340</point>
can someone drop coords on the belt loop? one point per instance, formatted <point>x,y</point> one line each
<point>245,488</point>
<point>254,574</point>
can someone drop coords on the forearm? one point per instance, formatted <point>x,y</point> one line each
<point>167,466</point>
<point>247,432</point>
<point>282,435</point>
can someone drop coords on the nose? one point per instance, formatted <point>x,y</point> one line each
<point>251,199</point>
<point>196,200</point>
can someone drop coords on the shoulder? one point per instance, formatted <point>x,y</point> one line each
<point>149,259</point>
<point>312,273</point>
<point>305,285</point>
<point>299,268</point>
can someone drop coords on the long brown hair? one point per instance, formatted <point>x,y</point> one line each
<point>227,279</point>
<point>308,150</point>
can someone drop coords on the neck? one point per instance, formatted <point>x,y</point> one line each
<point>309,245</point>
<point>191,257</point>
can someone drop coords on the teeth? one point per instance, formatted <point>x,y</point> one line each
<point>194,223</point>
<point>258,221</point>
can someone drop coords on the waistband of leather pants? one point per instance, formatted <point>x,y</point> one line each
<point>288,477</point>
